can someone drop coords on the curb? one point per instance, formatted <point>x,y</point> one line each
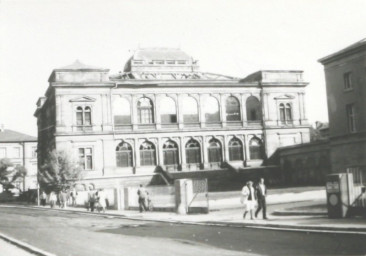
<point>284,227</point>
<point>298,213</point>
<point>25,246</point>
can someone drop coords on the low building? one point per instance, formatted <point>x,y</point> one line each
<point>161,112</point>
<point>20,149</point>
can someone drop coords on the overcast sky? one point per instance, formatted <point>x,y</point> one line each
<point>228,37</point>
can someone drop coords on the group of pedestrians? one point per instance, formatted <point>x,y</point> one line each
<point>254,198</point>
<point>97,201</point>
<point>61,198</point>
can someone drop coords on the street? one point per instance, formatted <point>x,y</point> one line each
<point>67,233</point>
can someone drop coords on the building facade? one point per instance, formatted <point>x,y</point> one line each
<point>162,112</point>
<point>345,74</point>
<point>20,149</point>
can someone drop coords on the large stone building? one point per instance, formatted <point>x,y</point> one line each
<point>162,112</point>
<point>345,74</point>
<point>20,149</point>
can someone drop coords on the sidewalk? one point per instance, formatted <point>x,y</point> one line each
<point>7,248</point>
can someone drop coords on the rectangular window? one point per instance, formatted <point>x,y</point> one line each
<point>181,62</point>
<point>347,77</point>
<point>86,158</point>
<point>2,153</point>
<point>159,62</point>
<point>16,152</point>
<point>170,62</point>
<point>351,117</point>
<point>34,152</point>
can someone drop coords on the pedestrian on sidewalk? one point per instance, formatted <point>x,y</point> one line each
<point>101,201</point>
<point>63,198</point>
<point>43,198</point>
<point>73,195</point>
<point>53,199</point>
<point>261,191</point>
<point>248,199</point>
<point>143,194</point>
<point>91,200</point>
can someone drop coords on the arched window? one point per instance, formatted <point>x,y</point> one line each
<point>214,151</point>
<point>122,111</point>
<point>193,152</point>
<point>285,112</point>
<point>124,155</point>
<point>145,112</point>
<point>170,152</point>
<point>83,117</point>
<point>235,150</point>
<point>211,110</point>
<point>253,106</point>
<point>168,111</point>
<point>147,154</point>
<point>190,110</point>
<point>232,109</point>
<point>255,149</point>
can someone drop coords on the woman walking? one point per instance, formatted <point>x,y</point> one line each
<point>248,199</point>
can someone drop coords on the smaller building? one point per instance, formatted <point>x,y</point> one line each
<point>20,149</point>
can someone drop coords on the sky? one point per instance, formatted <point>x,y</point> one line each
<point>230,37</point>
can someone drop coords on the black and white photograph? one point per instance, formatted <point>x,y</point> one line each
<point>182,127</point>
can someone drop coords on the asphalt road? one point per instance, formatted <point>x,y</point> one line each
<point>66,233</point>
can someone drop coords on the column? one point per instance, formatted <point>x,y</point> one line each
<point>206,164</point>
<point>183,153</point>
<point>180,111</point>
<point>134,114</point>
<point>222,109</point>
<point>136,153</point>
<point>246,146</point>
<point>59,111</point>
<point>157,106</point>
<point>159,148</point>
<point>201,111</point>
<point>226,149</point>
<point>244,109</point>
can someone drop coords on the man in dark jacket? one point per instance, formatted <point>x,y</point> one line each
<point>261,190</point>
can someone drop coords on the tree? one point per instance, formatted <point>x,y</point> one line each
<point>9,175</point>
<point>59,171</point>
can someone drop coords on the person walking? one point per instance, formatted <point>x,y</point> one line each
<point>73,195</point>
<point>101,199</point>
<point>142,193</point>
<point>53,199</point>
<point>248,199</point>
<point>63,199</point>
<point>91,200</point>
<point>43,198</point>
<point>261,191</point>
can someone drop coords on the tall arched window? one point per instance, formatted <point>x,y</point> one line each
<point>211,110</point>
<point>255,149</point>
<point>145,111</point>
<point>253,106</point>
<point>83,117</point>
<point>193,152</point>
<point>232,109</point>
<point>124,155</point>
<point>285,112</point>
<point>214,151</point>
<point>168,111</point>
<point>170,153</point>
<point>235,150</point>
<point>121,111</point>
<point>190,110</point>
<point>147,154</point>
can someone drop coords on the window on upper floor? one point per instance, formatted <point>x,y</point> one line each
<point>83,116</point>
<point>145,111</point>
<point>285,112</point>
<point>214,151</point>
<point>347,78</point>
<point>190,110</point>
<point>351,117</point>
<point>124,155</point>
<point>235,150</point>
<point>121,111</point>
<point>170,153</point>
<point>86,158</point>
<point>232,109</point>
<point>168,111</point>
<point>211,110</point>
<point>253,107</point>
<point>147,154</point>
<point>2,153</point>
<point>193,152</point>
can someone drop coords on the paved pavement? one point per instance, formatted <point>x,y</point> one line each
<point>66,233</point>
<point>7,248</point>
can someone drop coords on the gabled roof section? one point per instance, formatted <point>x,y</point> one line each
<point>353,48</point>
<point>13,136</point>
<point>77,65</point>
